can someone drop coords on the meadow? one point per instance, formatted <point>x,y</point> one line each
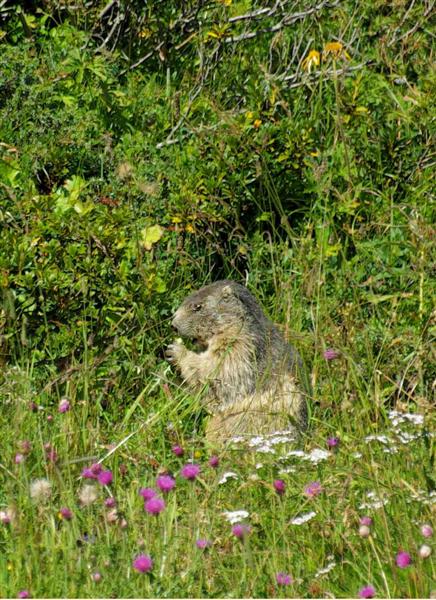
<point>146,151</point>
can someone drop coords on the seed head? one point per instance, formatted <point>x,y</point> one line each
<point>88,494</point>
<point>40,490</point>
<point>424,551</point>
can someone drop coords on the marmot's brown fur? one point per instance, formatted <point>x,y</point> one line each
<point>252,378</point>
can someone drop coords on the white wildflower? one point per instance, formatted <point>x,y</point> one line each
<point>303,518</point>
<point>374,502</point>
<point>326,569</point>
<point>317,455</point>
<point>378,438</point>
<point>40,490</point>
<point>228,475</point>
<point>235,516</point>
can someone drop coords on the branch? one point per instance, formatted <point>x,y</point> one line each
<point>311,77</point>
<point>285,22</point>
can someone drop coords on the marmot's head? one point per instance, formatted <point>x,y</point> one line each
<point>214,309</point>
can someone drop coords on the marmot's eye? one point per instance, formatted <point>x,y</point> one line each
<point>196,307</point>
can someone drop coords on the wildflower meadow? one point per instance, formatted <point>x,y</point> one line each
<point>147,149</point>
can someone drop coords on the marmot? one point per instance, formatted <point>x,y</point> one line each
<point>252,378</point>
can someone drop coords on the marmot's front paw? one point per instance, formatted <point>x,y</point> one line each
<point>175,351</point>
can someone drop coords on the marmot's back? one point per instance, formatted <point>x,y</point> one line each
<point>253,377</point>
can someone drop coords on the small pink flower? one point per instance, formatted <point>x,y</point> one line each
<point>19,458</point>
<point>240,530</point>
<point>165,483</point>
<point>313,489</point>
<point>333,442</point>
<point>279,486</point>
<point>365,521</point>
<point>147,493</point>
<point>24,594</point>
<point>403,559</point>
<point>96,577</point>
<point>5,517</point>
<point>25,446</point>
<point>65,513</point>
<point>367,592</point>
<point>214,461</point>
<point>283,579</point>
<point>110,502</point>
<point>64,406</point>
<point>105,477</point>
<point>49,418</point>
<point>155,505</point>
<point>178,450</point>
<point>143,563</point>
<point>331,354</point>
<point>190,471</point>
<point>203,544</point>
<point>427,530</point>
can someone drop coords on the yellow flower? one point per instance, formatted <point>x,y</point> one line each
<point>336,49</point>
<point>312,60</point>
<point>257,123</point>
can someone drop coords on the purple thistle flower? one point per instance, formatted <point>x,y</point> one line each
<point>367,592</point>
<point>19,458</point>
<point>283,579</point>
<point>203,543</point>
<point>333,442</point>
<point>143,563</point>
<point>65,513</point>
<point>165,483</point>
<point>313,489</point>
<point>365,521</point>
<point>92,472</point>
<point>427,530</point>
<point>403,559</point>
<point>49,418</point>
<point>110,502</point>
<point>105,477</point>
<point>331,354</point>
<point>88,474</point>
<point>147,493</point>
<point>178,450</point>
<point>240,530</point>
<point>190,471</point>
<point>24,594</point>
<point>64,406</point>
<point>155,505</point>
<point>279,486</point>
<point>33,407</point>
<point>214,461</point>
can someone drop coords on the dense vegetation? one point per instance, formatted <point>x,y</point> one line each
<point>148,149</point>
